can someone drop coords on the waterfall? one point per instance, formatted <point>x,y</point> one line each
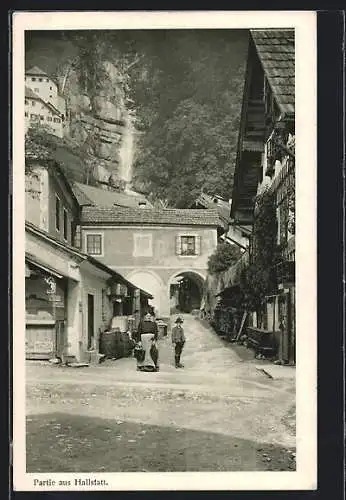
<point>126,152</point>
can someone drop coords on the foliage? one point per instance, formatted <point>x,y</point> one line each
<point>224,257</point>
<point>189,110</point>
<point>258,279</point>
<point>41,144</point>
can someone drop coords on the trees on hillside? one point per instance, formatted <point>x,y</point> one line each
<point>188,102</point>
<point>184,89</point>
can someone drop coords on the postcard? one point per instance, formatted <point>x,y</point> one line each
<point>165,338</point>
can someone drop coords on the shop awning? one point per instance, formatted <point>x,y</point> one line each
<point>33,262</point>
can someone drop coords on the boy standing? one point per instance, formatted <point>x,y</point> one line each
<point>178,339</point>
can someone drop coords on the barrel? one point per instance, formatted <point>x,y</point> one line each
<point>119,345</point>
<point>108,344</point>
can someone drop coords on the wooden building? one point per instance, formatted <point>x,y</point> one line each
<point>265,168</point>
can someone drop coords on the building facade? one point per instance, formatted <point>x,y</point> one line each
<point>163,251</point>
<point>43,104</point>
<point>70,296</point>
<point>264,182</point>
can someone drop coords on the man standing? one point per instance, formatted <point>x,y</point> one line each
<point>178,339</point>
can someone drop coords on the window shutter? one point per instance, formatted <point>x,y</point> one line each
<point>178,245</point>
<point>198,245</point>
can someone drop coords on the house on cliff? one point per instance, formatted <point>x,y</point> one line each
<point>163,251</point>
<point>43,103</point>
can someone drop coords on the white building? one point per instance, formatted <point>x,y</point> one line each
<point>43,104</point>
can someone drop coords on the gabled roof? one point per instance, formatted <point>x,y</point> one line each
<point>35,70</point>
<point>216,202</point>
<point>82,198</point>
<point>91,195</point>
<point>30,94</point>
<point>169,217</point>
<point>275,49</point>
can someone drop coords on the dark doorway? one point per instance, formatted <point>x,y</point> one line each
<point>186,293</point>
<point>90,319</point>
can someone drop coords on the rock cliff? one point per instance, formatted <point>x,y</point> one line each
<point>95,92</point>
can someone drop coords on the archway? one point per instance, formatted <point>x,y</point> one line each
<point>150,282</point>
<point>186,292</point>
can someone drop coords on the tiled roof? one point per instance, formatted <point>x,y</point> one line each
<point>35,70</point>
<point>124,215</point>
<point>275,49</point>
<point>80,195</point>
<point>30,94</point>
<point>91,195</point>
<point>222,206</point>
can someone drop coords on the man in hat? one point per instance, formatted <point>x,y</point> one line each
<point>178,340</point>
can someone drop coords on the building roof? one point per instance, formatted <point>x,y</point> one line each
<point>174,217</point>
<point>91,195</point>
<point>35,70</point>
<point>275,49</point>
<point>222,206</point>
<point>30,94</point>
<point>80,195</point>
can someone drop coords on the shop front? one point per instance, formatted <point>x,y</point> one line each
<point>46,311</point>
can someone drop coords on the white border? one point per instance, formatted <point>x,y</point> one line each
<point>304,23</point>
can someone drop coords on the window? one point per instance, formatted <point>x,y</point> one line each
<point>33,79</point>
<point>47,79</point>
<point>41,117</point>
<point>50,96</point>
<point>40,80</point>
<point>49,118</point>
<point>142,245</point>
<point>26,103</point>
<point>33,103</point>
<point>56,120</point>
<point>94,244</point>
<point>26,114</point>
<point>188,245</point>
<point>33,116</point>
<point>50,88</point>
<point>57,213</point>
<point>65,224</point>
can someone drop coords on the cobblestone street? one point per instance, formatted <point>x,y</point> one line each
<point>218,413</point>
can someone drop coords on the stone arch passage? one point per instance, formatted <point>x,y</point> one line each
<point>186,292</point>
<point>150,282</point>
